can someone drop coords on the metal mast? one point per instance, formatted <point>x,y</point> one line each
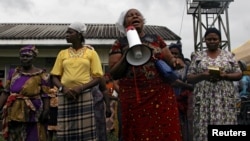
<point>209,13</point>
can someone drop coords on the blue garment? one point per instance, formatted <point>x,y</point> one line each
<point>244,86</point>
<point>166,71</point>
<point>181,75</point>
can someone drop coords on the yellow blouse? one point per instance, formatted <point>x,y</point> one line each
<point>77,67</point>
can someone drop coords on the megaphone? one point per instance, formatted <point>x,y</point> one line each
<point>138,54</point>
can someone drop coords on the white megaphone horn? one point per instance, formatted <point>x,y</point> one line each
<point>138,54</point>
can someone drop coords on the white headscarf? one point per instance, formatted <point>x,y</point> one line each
<point>120,22</point>
<point>121,19</point>
<point>79,27</point>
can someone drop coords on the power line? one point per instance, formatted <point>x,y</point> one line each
<point>182,18</point>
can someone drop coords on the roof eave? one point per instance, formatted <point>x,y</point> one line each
<point>51,42</point>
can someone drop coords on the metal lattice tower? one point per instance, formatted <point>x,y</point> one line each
<point>209,13</point>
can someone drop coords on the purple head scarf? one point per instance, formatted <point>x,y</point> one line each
<point>29,49</point>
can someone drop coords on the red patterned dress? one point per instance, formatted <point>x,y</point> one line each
<point>148,104</point>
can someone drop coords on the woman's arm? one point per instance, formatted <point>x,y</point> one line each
<point>74,92</point>
<point>177,63</point>
<point>45,113</point>
<point>195,78</point>
<point>3,99</point>
<point>236,76</point>
<point>117,65</point>
<point>106,98</point>
<point>56,81</point>
<point>180,83</point>
<point>91,83</point>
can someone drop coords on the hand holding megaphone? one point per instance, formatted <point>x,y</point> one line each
<point>138,54</point>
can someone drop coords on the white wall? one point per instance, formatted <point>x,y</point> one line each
<point>9,57</point>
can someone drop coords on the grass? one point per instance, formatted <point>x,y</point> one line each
<point>1,138</point>
<point>111,137</point>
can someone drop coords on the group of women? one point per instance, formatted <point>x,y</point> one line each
<point>150,108</point>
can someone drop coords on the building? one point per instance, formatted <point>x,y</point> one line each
<point>49,38</point>
<point>242,53</point>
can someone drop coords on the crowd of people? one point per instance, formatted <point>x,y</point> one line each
<point>78,101</point>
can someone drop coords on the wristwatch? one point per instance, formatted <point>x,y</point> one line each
<point>60,89</point>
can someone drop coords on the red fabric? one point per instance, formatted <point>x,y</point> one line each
<point>155,117</point>
<point>9,102</point>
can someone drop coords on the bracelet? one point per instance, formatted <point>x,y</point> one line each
<point>60,89</point>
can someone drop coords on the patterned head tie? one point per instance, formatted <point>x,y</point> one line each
<point>29,49</point>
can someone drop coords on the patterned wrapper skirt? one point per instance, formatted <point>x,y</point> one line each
<point>76,121</point>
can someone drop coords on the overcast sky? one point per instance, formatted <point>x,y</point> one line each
<point>169,13</point>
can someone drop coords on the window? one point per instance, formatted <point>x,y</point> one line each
<point>105,68</point>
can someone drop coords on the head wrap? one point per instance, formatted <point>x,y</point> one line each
<point>120,22</point>
<point>213,30</point>
<point>79,27</point>
<point>243,65</point>
<point>29,49</point>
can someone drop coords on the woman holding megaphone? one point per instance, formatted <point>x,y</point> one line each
<point>148,104</point>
